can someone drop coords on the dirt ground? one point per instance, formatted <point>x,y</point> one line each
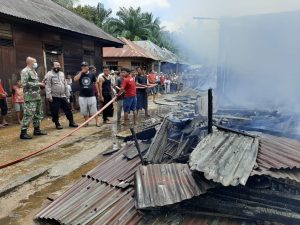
<point>25,187</point>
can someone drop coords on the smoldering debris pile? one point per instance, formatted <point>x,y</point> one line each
<point>191,177</point>
<point>272,122</point>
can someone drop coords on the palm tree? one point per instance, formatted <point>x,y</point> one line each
<point>131,24</point>
<point>103,14</point>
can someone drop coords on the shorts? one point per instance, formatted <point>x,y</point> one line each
<point>88,106</point>
<point>3,107</point>
<point>142,101</point>
<point>153,90</point>
<point>19,107</point>
<point>129,104</point>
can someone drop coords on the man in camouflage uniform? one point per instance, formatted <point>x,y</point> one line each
<point>33,103</point>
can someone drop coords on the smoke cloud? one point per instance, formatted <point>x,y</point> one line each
<point>256,58</point>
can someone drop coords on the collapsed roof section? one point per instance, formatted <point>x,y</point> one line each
<point>166,184</point>
<point>225,157</point>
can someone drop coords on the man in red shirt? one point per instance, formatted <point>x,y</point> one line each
<point>130,100</point>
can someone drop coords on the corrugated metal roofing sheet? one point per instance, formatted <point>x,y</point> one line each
<point>166,184</point>
<point>225,157</point>
<point>291,174</point>
<point>90,202</point>
<point>129,50</point>
<point>189,219</point>
<point>272,202</point>
<point>155,153</point>
<point>132,152</point>
<point>278,153</point>
<point>97,198</point>
<point>152,48</point>
<point>116,170</point>
<point>51,14</point>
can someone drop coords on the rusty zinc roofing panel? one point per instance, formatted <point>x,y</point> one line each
<point>49,13</point>
<point>121,175</point>
<point>129,50</point>
<point>278,153</point>
<point>165,184</point>
<point>90,202</point>
<point>225,157</point>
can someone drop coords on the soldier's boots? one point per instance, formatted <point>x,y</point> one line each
<point>24,135</point>
<point>38,132</point>
<point>58,126</point>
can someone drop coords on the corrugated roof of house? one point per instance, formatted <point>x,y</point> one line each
<point>129,50</point>
<point>49,13</point>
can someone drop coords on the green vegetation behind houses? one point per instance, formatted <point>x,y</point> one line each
<point>129,22</point>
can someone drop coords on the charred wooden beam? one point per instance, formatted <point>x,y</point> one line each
<point>210,111</point>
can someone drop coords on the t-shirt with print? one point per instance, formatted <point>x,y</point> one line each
<point>86,83</point>
<point>129,87</point>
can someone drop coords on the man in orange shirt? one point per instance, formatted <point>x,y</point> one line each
<point>152,81</point>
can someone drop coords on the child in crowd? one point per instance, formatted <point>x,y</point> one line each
<point>3,105</point>
<point>18,100</point>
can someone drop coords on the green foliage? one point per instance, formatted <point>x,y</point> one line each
<point>66,3</point>
<point>98,15</point>
<point>130,23</point>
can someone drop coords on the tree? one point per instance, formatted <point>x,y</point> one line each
<point>66,3</point>
<point>98,15</point>
<point>130,24</point>
<point>104,14</point>
<point>133,24</point>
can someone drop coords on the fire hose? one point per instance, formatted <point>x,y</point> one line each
<point>59,140</point>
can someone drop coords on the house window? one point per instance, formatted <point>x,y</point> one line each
<point>6,37</point>
<point>134,65</point>
<point>112,65</point>
<point>53,49</point>
<point>88,52</point>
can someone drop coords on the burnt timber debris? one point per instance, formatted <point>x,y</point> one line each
<point>191,176</point>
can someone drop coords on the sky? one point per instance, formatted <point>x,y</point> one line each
<point>174,14</point>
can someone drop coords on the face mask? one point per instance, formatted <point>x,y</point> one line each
<point>56,70</point>
<point>35,65</point>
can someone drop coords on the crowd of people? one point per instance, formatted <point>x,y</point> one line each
<point>130,87</point>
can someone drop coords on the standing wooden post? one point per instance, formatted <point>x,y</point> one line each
<point>137,145</point>
<point>210,111</point>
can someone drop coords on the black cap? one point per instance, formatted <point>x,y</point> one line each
<point>92,67</point>
<point>84,64</point>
